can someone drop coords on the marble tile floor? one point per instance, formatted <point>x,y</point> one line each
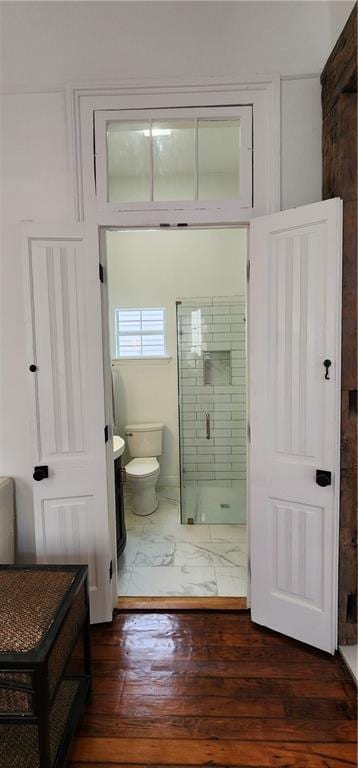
<point>164,558</point>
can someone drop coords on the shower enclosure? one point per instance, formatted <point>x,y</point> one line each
<point>211,338</point>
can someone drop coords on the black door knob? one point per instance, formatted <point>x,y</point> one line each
<point>323,477</point>
<point>40,473</point>
<point>33,368</point>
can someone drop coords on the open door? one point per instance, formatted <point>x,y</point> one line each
<point>64,331</point>
<point>294,390</point>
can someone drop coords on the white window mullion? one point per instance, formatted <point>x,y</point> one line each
<point>196,154</point>
<point>151,163</point>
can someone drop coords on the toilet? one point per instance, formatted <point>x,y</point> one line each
<point>144,443</point>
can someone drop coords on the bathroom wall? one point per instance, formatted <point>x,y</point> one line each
<point>154,269</point>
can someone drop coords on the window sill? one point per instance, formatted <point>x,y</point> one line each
<point>162,360</point>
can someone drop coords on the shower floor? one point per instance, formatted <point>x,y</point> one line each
<point>214,505</point>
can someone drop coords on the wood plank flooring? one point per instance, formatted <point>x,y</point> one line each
<point>212,689</point>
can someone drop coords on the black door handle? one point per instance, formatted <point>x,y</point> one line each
<point>40,473</point>
<point>327,364</point>
<point>323,477</point>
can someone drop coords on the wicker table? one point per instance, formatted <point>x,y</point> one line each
<point>44,662</point>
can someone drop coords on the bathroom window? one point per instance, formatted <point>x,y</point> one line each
<point>140,333</point>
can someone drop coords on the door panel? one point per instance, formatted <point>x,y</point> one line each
<point>66,533</point>
<point>297,304</point>
<point>63,306</point>
<point>294,325</point>
<point>296,551</point>
<point>59,327</point>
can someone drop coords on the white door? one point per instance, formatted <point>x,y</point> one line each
<point>294,326</point>
<point>64,331</point>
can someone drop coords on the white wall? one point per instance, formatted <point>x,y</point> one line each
<point>154,269</point>
<point>301,126</point>
<point>46,45</point>
<point>339,13</point>
<point>106,40</point>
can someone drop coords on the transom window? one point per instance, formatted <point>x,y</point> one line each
<point>186,155</point>
<point>140,333</point>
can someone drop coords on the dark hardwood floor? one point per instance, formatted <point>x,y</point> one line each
<point>213,689</point>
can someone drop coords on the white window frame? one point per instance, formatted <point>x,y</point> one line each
<point>140,358</point>
<point>261,92</point>
<point>105,118</point>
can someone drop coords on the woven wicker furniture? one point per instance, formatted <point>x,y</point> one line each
<point>44,662</point>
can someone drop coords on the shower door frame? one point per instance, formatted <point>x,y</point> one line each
<point>110,223</point>
<point>181,424</point>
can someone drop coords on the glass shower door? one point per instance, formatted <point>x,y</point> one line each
<point>211,338</point>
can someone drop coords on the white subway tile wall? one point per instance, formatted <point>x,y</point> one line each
<point>217,325</point>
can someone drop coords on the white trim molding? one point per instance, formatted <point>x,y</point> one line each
<point>260,91</point>
<point>117,362</point>
<point>349,654</point>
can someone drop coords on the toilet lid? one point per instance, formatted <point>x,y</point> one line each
<point>142,467</point>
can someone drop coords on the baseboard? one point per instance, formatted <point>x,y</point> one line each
<point>349,654</point>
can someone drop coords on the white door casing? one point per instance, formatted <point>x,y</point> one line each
<point>64,342</point>
<point>108,408</point>
<point>294,325</point>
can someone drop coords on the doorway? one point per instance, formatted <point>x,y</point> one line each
<point>177,336</point>
<point>294,378</point>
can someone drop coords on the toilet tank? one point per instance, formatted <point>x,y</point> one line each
<point>144,440</point>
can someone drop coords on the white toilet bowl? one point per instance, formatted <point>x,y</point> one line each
<point>144,444</point>
<point>142,477</point>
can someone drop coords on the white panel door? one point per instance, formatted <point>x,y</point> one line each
<point>294,326</point>
<point>64,331</point>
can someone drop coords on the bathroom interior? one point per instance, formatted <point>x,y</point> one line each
<point>177,329</point>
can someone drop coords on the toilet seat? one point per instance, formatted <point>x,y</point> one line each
<point>145,467</point>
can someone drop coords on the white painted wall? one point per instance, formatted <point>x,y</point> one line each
<point>46,45</point>
<point>107,40</point>
<point>154,269</point>
<point>339,13</point>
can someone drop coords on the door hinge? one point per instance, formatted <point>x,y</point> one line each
<point>111,570</point>
<point>101,272</point>
<point>106,434</point>
<point>249,433</point>
<point>248,267</point>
